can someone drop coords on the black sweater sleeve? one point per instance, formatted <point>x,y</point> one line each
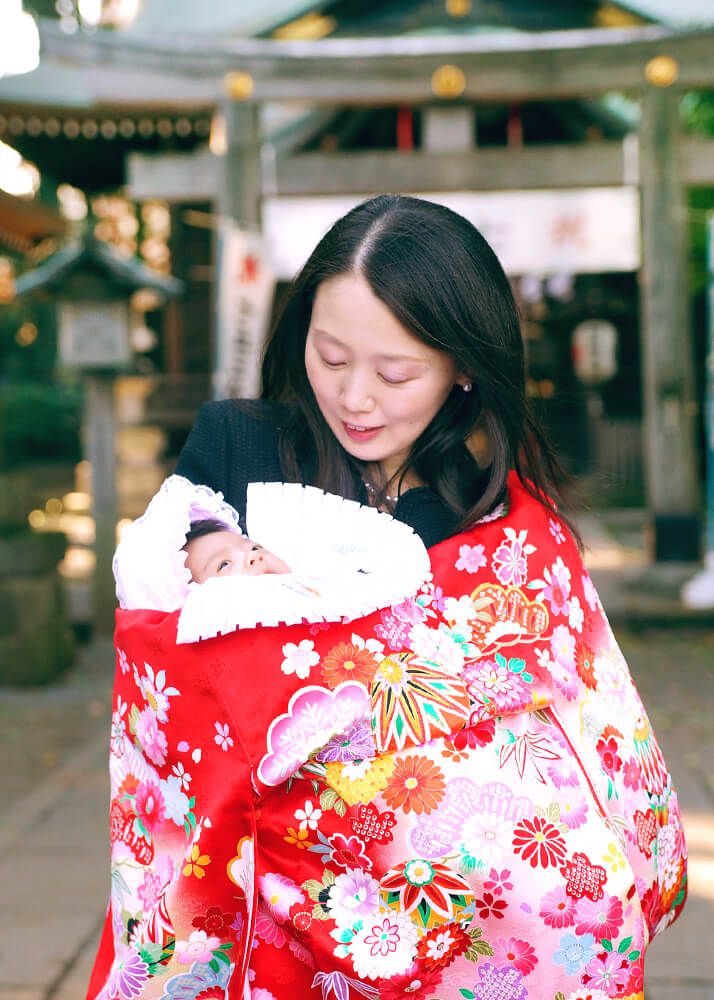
<point>203,459</point>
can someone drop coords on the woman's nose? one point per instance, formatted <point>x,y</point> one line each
<point>356,393</point>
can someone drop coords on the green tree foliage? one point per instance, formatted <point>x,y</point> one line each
<point>39,422</point>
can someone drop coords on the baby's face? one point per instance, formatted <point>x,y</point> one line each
<point>225,553</point>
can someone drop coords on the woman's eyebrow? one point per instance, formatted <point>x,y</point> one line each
<point>402,357</point>
<point>379,357</point>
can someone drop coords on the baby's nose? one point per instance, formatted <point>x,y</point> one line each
<point>256,564</point>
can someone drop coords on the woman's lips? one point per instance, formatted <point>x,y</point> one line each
<point>356,432</point>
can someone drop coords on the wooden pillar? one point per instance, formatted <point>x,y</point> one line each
<point>242,186</point>
<point>667,372</point>
<point>99,449</point>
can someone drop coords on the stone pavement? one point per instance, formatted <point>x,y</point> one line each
<point>53,829</point>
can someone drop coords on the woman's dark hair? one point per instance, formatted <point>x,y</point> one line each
<point>442,281</point>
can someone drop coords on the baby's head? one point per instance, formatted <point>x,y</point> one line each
<point>212,549</point>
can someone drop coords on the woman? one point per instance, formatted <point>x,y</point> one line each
<point>399,338</point>
<point>456,796</point>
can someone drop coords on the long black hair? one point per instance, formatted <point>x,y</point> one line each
<point>442,281</point>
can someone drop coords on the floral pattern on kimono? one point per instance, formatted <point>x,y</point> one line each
<point>456,797</point>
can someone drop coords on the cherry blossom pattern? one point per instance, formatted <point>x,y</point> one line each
<point>299,658</point>
<point>510,560</point>
<point>411,850</point>
<point>556,530</point>
<point>223,737</point>
<point>574,952</point>
<point>154,691</point>
<point>199,948</point>
<point>309,816</point>
<point>472,558</point>
<point>396,624</point>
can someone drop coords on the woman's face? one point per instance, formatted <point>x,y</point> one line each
<point>378,387</point>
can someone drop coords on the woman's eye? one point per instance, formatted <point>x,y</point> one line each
<point>394,380</point>
<point>332,364</point>
<point>223,564</point>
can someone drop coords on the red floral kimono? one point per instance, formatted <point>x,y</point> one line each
<point>456,797</point>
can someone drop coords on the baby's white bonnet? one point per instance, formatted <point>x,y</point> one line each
<point>149,564</point>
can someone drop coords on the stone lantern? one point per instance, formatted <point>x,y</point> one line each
<point>92,285</point>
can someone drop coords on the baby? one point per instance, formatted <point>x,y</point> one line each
<point>212,549</point>
<point>189,553</point>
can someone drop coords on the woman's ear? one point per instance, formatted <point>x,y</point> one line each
<point>465,383</point>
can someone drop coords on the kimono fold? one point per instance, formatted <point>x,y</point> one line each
<point>457,796</point>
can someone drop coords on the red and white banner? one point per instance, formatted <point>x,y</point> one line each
<point>246,284</point>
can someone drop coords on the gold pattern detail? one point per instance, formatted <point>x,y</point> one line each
<point>308,28</point>
<point>662,71</point>
<point>239,85</point>
<point>458,8</point>
<point>610,15</point>
<point>448,81</point>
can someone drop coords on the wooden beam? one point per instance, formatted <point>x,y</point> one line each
<point>196,176</point>
<point>555,166</point>
<point>571,165</point>
<point>174,177</point>
<point>498,67</point>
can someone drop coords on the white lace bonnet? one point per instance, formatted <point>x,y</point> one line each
<point>149,564</point>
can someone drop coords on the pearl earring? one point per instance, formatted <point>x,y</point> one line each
<point>467,387</point>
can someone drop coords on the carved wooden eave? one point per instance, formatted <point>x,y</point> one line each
<point>497,67</point>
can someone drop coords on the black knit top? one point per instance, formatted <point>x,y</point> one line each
<point>232,445</point>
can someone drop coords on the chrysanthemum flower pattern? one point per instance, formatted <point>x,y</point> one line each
<point>458,796</point>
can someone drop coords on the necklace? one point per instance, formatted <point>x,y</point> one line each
<point>373,492</point>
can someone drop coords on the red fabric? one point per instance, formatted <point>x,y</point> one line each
<point>225,879</point>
